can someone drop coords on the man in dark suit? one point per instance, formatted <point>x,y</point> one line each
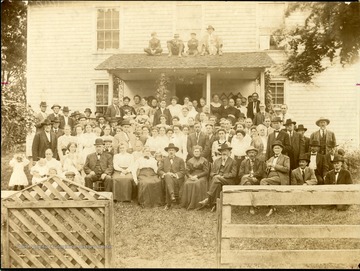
<point>66,119</point>
<point>56,114</point>
<point>223,172</point>
<point>41,116</point>
<point>304,147</point>
<point>329,157</point>
<point>251,170</point>
<point>43,140</point>
<point>277,135</point>
<point>231,111</point>
<point>303,175</point>
<point>211,137</point>
<point>162,110</point>
<point>55,128</point>
<point>99,167</point>
<point>317,161</point>
<point>295,143</point>
<point>198,138</point>
<point>114,111</point>
<point>260,116</point>
<point>323,135</point>
<point>253,106</point>
<point>172,171</point>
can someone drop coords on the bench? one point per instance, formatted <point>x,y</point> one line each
<point>285,196</point>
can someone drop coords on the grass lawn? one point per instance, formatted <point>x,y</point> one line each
<point>180,238</point>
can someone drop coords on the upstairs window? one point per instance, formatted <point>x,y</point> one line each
<point>107,29</point>
<point>277,91</point>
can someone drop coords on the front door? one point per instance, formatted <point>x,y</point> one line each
<point>193,91</point>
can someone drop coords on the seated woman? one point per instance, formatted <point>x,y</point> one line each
<point>63,141</point>
<point>123,181</point>
<point>51,161</point>
<point>196,182</point>
<point>73,162</point>
<point>150,190</point>
<point>163,141</point>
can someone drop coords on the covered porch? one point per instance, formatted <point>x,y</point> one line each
<point>229,75</point>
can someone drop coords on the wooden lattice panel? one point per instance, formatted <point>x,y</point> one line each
<point>57,224</point>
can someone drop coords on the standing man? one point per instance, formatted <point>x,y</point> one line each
<point>113,110</point>
<point>198,138</point>
<point>260,116</point>
<point>66,119</point>
<point>172,171</point>
<point>56,114</point>
<point>41,116</point>
<point>304,148</point>
<point>277,135</point>
<point>193,45</point>
<point>284,113</point>
<point>317,161</point>
<point>125,136</point>
<point>162,110</point>
<point>241,105</point>
<point>56,128</point>
<point>99,167</point>
<point>211,43</point>
<point>175,46</point>
<point>253,106</point>
<point>231,112</point>
<point>329,157</point>
<point>154,48</point>
<point>43,140</point>
<point>295,143</point>
<point>223,172</point>
<point>323,135</point>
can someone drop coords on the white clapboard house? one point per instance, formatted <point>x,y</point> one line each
<point>83,53</point>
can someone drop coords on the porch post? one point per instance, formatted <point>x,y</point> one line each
<point>111,87</point>
<point>262,86</point>
<point>208,88</point>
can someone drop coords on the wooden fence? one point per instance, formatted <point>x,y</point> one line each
<point>284,195</point>
<point>57,224</point>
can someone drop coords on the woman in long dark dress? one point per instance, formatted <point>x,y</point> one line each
<point>122,177</point>
<point>196,183</point>
<point>216,108</point>
<point>150,192</point>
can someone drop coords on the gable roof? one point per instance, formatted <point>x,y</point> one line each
<point>227,60</point>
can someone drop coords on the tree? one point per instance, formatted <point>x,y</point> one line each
<point>162,87</point>
<point>332,30</point>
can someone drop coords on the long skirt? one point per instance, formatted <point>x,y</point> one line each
<point>123,186</point>
<point>193,192</point>
<point>150,191</point>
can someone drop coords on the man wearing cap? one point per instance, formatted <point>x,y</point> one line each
<point>193,45</point>
<point>198,138</point>
<point>114,110</point>
<point>175,46</point>
<point>70,176</point>
<point>323,135</point>
<point>260,116</point>
<point>66,119</point>
<point>295,143</point>
<point>56,114</point>
<point>277,135</point>
<point>99,167</point>
<point>211,43</point>
<point>43,140</point>
<point>172,171</point>
<point>41,116</point>
<point>304,147</point>
<point>317,161</point>
<point>125,136</point>
<point>154,48</point>
<point>126,107</point>
<point>75,115</point>
<point>303,175</point>
<point>162,110</point>
<point>223,172</point>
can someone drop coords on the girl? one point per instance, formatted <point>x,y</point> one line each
<point>18,178</point>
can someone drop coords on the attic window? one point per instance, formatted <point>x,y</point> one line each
<point>107,29</point>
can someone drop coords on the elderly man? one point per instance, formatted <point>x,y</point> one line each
<point>323,135</point>
<point>114,110</point>
<point>175,46</point>
<point>295,143</point>
<point>260,116</point>
<point>99,167</point>
<point>198,138</point>
<point>43,140</point>
<point>172,171</point>
<point>304,148</point>
<point>223,172</point>
<point>284,113</point>
<point>303,175</point>
<point>277,135</point>
<point>211,43</point>
<point>154,48</point>
<point>317,161</point>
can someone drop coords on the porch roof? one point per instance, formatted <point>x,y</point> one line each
<point>249,60</point>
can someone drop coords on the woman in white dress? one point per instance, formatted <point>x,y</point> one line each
<point>192,110</point>
<point>218,143</point>
<point>18,179</point>
<point>185,132</point>
<point>183,118</point>
<point>73,162</point>
<point>174,107</point>
<point>64,140</point>
<point>263,135</point>
<point>78,132</point>
<point>88,141</point>
<point>163,141</point>
<point>153,142</point>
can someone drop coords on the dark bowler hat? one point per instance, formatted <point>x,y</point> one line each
<point>88,110</point>
<point>301,127</point>
<point>314,143</point>
<point>251,148</point>
<point>338,158</point>
<point>126,98</point>
<point>289,121</point>
<point>55,105</point>
<point>125,122</point>
<point>241,115</point>
<point>99,141</point>
<point>45,122</point>
<point>76,113</point>
<point>304,157</point>
<point>171,146</point>
<point>277,143</point>
<point>43,104</point>
<point>320,119</point>
<point>276,119</point>
<point>331,144</point>
<point>55,120</point>
<point>82,116</point>
<point>224,147</point>
<point>66,109</point>
<point>210,27</point>
<point>107,140</point>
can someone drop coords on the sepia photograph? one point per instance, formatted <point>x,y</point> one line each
<point>180,134</point>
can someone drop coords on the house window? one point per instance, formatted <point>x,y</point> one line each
<point>277,91</point>
<point>102,98</point>
<point>107,29</point>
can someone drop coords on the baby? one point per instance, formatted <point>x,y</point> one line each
<point>39,171</point>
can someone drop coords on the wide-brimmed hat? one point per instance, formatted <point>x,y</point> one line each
<point>55,105</point>
<point>224,147</point>
<point>87,110</point>
<point>304,157</point>
<point>314,143</point>
<point>75,113</point>
<point>276,119</point>
<point>82,116</point>
<point>43,104</point>
<point>289,121</point>
<point>210,27</point>
<point>171,146</point>
<point>45,122</point>
<point>331,144</point>
<point>300,127</point>
<point>338,158</point>
<point>320,119</point>
<point>277,143</point>
<point>125,122</point>
<point>66,109</point>
<point>99,141</point>
<point>251,148</point>
<point>55,120</point>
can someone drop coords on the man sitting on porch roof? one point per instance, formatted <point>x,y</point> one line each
<point>211,43</point>
<point>175,46</point>
<point>154,48</point>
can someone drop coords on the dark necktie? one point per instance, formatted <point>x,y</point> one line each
<point>276,156</point>
<point>336,175</point>
<point>313,154</point>
<point>303,174</point>
<point>55,130</point>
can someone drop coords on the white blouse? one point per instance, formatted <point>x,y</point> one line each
<point>122,160</point>
<point>144,163</point>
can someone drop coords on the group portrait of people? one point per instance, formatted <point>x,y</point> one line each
<point>167,152</point>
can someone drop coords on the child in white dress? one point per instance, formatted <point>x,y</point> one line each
<point>18,179</point>
<point>39,171</point>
